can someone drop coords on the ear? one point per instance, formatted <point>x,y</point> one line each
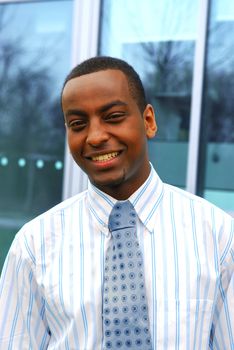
<point>149,121</point>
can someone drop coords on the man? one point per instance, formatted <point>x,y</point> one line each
<point>54,284</point>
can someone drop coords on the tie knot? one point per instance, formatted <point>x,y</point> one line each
<point>123,215</point>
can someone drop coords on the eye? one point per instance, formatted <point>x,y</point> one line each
<point>115,117</point>
<point>76,124</point>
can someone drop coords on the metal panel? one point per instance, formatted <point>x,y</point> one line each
<point>84,45</point>
<point>197,89</point>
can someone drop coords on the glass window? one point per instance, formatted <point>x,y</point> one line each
<point>158,39</point>
<point>216,181</point>
<point>34,59</point>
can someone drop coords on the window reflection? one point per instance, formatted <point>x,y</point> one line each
<point>34,59</point>
<point>157,38</point>
<point>217,148</point>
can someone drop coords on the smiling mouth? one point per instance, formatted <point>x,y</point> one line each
<point>105,157</point>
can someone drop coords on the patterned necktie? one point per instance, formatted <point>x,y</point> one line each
<point>125,310</point>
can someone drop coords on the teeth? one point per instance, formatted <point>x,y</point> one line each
<point>105,157</point>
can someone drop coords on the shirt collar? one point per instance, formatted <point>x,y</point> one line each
<point>145,201</point>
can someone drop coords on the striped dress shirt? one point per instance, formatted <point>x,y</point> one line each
<point>52,280</point>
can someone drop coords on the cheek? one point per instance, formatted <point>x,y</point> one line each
<point>139,150</point>
<point>74,142</point>
<point>133,134</point>
<point>137,140</point>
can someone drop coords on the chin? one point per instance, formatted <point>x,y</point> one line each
<point>108,183</point>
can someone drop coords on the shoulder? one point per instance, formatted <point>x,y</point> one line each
<point>46,231</point>
<point>53,220</point>
<point>183,197</point>
<point>64,206</point>
<point>203,217</point>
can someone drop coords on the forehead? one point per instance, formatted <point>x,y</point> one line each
<point>106,84</point>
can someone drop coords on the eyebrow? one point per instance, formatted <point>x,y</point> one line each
<point>102,109</point>
<point>111,104</point>
<point>75,112</point>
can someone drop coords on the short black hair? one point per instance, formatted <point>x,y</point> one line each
<point>99,63</point>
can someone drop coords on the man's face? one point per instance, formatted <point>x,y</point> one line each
<point>107,134</point>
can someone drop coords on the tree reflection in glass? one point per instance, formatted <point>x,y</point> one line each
<point>34,58</point>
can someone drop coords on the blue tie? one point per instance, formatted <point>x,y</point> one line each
<point>125,309</point>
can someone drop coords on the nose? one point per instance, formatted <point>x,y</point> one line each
<point>97,133</point>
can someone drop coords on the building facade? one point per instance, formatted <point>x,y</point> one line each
<point>183,52</point>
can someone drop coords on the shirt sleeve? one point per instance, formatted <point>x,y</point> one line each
<point>22,317</point>
<point>222,332</point>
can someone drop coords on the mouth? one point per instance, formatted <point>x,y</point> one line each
<point>105,157</point>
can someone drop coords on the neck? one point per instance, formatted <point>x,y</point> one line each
<point>124,189</point>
